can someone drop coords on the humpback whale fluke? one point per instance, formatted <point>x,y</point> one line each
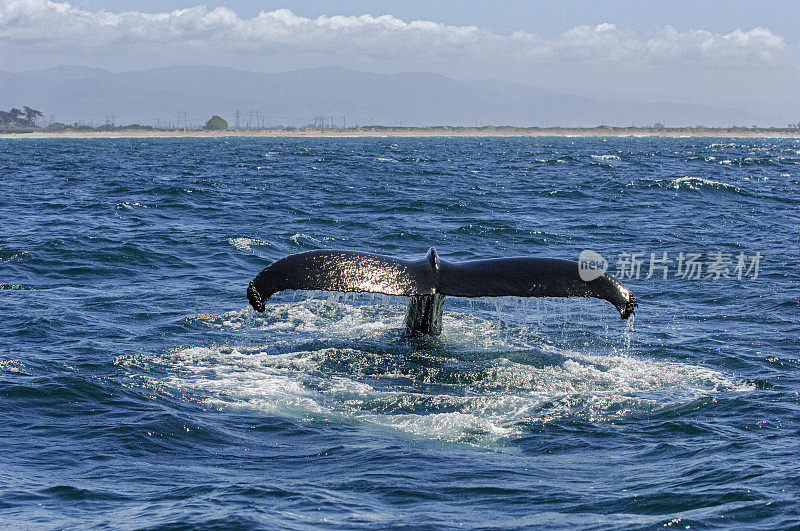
<point>428,281</point>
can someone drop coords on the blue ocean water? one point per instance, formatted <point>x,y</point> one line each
<point>137,388</point>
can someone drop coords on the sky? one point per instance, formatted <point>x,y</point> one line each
<point>721,53</point>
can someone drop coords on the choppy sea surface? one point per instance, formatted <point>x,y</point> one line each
<point>139,390</point>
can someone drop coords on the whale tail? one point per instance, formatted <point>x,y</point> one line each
<point>428,281</point>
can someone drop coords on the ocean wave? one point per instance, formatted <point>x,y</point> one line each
<point>17,287</point>
<point>606,157</point>
<point>301,239</point>
<point>246,244</point>
<point>12,255</point>
<point>698,183</point>
<point>128,205</point>
<point>13,367</point>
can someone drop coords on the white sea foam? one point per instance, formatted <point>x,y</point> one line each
<point>127,205</point>
<point>15,287</point>
<point>451,393</point>
<point>300,236</point>
<point>13,366</point>
<point>698,183</point>
<point>336,314</point>
<point>246,244</point>
<point>492,400</point>
<point>12,255</point>
<point>606,157</point>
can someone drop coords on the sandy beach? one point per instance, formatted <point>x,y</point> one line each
<point>418,132</point>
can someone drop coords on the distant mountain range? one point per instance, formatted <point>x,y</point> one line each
<point>156,97</point>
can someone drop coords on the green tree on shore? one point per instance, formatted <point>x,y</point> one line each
<point>31,115</point>
<point>21,118</point>
<point>15,115</point>
<point>216,123</point>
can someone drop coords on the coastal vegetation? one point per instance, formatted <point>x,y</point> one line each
<point>216,123</point>
<point>23,121</point>
<point>25,117</point>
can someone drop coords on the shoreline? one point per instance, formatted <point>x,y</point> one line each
<point>419,132</point>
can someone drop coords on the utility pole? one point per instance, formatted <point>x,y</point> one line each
<point>185,119</point>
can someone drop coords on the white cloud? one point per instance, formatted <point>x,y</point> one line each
<point>757,46</point>
<point>54,25</point>
<point>40,33</point>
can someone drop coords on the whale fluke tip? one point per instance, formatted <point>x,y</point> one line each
<point>254,298</point>
<point>628,309</point>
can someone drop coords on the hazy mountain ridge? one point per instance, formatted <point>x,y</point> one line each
<point>154,96</point>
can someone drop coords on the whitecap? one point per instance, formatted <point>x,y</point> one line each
<point>12,255</point>
<point>15,287</point>
<point>246,244</point>
<point>698,183</point>
<point>127,205</point>
<point>300,236</point>
<point>13,367</point>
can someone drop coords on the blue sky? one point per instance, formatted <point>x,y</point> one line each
<point>721,53</point>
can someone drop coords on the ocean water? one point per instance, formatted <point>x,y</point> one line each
<point>139,390</point>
